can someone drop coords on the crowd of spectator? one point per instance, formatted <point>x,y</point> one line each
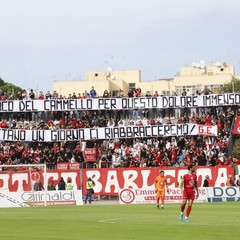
<point>143,152</point>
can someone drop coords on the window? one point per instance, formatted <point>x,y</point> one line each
<point>166,93</point>
<point>132,86</point>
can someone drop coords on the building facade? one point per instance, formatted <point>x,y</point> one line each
<point>193,79</point>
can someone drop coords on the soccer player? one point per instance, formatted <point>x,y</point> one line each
<point>188,186</point>
<point>160,184</point>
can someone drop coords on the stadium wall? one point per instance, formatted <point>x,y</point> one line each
<point>15,186</point>
<point>108,181</point>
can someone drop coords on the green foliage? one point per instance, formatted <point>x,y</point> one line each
<point>8,88</point>
<point>236,149</point>
<point>1,82</point>
<point>232,86</point>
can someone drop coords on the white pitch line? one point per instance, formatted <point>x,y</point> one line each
<point>111,220</point>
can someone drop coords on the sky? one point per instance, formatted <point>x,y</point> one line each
<point>46,40</point>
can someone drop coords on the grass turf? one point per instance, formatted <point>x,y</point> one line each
<point>207,221</point>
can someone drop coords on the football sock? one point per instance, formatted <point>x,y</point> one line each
<point>182,208</point>
<point>188,210</point>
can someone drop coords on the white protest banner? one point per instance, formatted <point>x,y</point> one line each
<point>120,103</point>
<point>106,133</point>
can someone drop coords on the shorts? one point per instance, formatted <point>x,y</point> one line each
<point>161,193</point>
<point>188,195</point>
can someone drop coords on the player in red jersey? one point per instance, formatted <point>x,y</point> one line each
<point>188,186</point>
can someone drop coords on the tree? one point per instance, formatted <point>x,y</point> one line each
<point>232,86</point>
<point>9,89</point>
<point>1,82</point>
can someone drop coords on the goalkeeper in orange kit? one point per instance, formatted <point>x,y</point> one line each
<point>160,185</point>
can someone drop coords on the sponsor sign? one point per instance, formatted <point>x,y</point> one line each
<point>108,181</point>
<point>37,198</point>
<point>141,196</point>
<point>74,166</point>
<point>23,180</point>
<point>65,166</point>
<point>224,194</point>
<point>62,166</point>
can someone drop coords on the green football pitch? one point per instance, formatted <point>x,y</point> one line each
<point>207,221</point>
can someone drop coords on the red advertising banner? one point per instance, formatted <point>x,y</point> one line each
<point>236,127</point>
<point>108,181</point>
<point>62,166</point>
<point>66,166</point>
<point>74,166</point>
<point>90,155</point>
<point>22,181</point>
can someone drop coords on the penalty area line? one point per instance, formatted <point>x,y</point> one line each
<point>114,220</point>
